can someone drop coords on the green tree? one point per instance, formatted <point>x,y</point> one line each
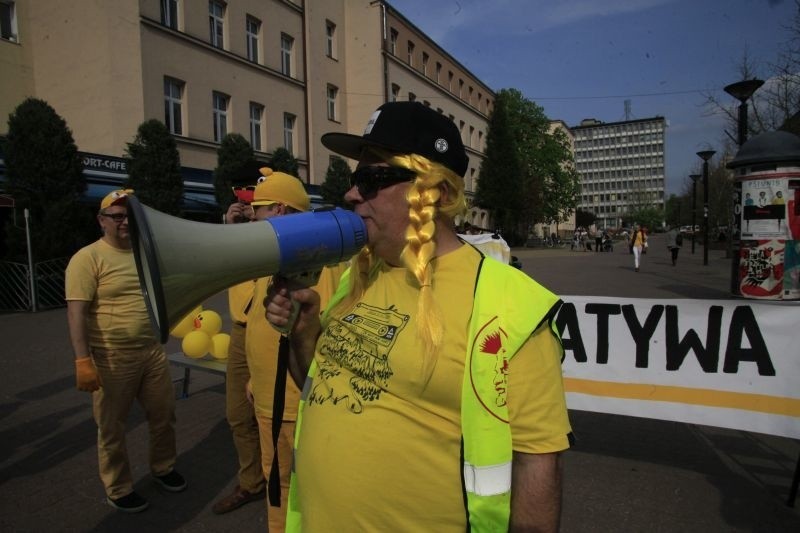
<point>584,218</point>
<point>45,176</point>
<point>527,175</point>
<point>500,178</point>
<point>154,168</point>
<point>561,184</point>
<point>649,216</point>
<point>235,162</point>
<point>337,183</point>
<point>282,160</point>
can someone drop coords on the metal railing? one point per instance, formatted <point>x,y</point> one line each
<point>16,292</point>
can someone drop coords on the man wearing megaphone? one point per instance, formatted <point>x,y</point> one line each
<point>434,394</point>
<point>117,357</point>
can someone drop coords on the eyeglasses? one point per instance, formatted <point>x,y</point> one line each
<point>116,217</point>
<point>369,180</point>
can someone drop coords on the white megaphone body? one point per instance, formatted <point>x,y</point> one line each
<point>182,262</point>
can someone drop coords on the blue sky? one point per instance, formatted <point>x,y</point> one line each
<point>583,58</point>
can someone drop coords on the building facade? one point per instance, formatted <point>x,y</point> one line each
<point>621,167</point>
<point>279,72</point>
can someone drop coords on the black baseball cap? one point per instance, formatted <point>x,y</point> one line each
<point>406,128</point>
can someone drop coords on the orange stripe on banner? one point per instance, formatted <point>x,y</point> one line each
<point>775,405</point>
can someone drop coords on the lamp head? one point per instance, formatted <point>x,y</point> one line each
<point>742,90</point>
<point>705,155</point>
<point>695,177</point>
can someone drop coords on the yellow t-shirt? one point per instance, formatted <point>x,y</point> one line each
<point>106,277</point>
<point>261,346</point>
<point>379,450</point>
<point>239,300</point>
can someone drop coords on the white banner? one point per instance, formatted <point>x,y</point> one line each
<point>727,363</point>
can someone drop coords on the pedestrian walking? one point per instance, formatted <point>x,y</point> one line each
<point>674,241</point>
<point>638,242</point>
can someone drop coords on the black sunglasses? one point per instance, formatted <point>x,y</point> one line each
<point>369,180</point>
<point>116,217</point>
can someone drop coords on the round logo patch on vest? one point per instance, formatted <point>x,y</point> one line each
<point>488,368</point>
<point>441,145</point>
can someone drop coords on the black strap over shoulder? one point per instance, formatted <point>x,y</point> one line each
<point>278,400</point>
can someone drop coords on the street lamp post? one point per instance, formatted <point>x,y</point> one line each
<point>742,91</point>
<point>705,155</point>
<point>694,177</point>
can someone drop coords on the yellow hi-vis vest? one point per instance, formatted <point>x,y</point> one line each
<point>486,433</point>
<point>498,329</point>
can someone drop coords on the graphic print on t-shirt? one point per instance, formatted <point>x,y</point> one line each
<point>358,343</point>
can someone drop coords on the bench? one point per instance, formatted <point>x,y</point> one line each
<point>213,366</point>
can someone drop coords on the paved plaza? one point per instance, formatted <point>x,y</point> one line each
<point>624,474</point>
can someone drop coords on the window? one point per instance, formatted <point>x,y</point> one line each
<point>412,97</point>
<point>333,94</point>
<point>395,92</point>
<point>393,42</point>
<point>450,81</point>
<point>220,115</point>
<point>256,115</point>
<point>330,39</point>
<point>287,43</point>
<point>252,29</point>
<point>425,60</point>
<point>288,131</point>
<point>410,57</point>
<point>169,13</point>
<point>480,140</point>
<point>438,72</point>
<point>470,95</point>
<point>461,88</point>
<point>216,19</point>
<point>173,91</point>
<point>471,135</point>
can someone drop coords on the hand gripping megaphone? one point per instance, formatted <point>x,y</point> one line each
<point>182,262</point>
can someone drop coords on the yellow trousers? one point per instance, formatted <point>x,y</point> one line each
<point>140,374</point>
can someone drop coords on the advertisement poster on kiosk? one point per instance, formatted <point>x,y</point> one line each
<point>769,257</point>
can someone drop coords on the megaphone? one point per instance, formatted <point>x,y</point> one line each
<point>181,262</point>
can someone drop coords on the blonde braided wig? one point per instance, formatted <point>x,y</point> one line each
<point>426,203</point>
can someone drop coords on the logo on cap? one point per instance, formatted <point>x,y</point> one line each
<point>441,146</point>
<point>372,120</point>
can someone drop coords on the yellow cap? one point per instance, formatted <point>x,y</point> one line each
<point>115,198</point>
<point>280,188</point>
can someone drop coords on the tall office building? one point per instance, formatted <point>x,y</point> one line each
<point>279,72</point>
<point>621,167</point>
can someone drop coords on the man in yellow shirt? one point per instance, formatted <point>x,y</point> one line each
<point>277,194</point>
<point>424,366</point>
<point>251,486</point>
<point>118,358</point>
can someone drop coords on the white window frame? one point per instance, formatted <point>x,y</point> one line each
<point>252,32</point>
<point>256,126</point>
<point>395,92</point>
<point>287,44</point>
<point>219,105</point>
<point>8,24</point>
<point>173,105</point>
<point>332,96</point>
<point>425,59</point>
<point>330,39</point>
<point>216,23</point>
<point>289,122</point>
<point>393,35</point>
<point>411,48</point>
<point>169,13</point>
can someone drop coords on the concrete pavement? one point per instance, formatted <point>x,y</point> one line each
<point>624,474</point>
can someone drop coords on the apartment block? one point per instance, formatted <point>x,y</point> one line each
<point>621,167</point>
<point>279,72</point>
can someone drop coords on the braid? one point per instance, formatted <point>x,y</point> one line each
<point>424,201</point>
